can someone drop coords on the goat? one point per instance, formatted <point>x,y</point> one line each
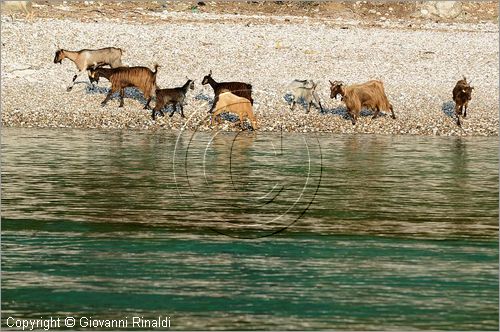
<point>24,6</point>
<point>370,95</point>
<point>238,88</point>
<point>230,102</point>
<point>305,90</point>
<point>84,59</point>
<point>174,97</point>
<point>462,94</point>
<point>142,78</point>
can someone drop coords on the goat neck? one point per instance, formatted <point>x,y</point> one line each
<point>72,55</point>
<point>185,87</point>
<point>212,82</point>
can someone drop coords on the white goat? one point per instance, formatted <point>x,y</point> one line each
<point>305,90</point>
<point>84,59</point>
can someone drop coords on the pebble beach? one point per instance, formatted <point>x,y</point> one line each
<point>419,64</point>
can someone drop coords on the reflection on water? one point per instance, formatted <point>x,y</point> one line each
<point>378,231</point>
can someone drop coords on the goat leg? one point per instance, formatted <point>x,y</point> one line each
<point>377,111</point>
<point>465,110</point>
<point>182,111</point>
<point>320,107</point>
<point>147,107</point>
<point>216,99</point>
<point>70,87</point>
<point>122,94</point>
<point>392,112</point>
<point>174,109</point>
<point>108,97</point>
<point>353,117</point>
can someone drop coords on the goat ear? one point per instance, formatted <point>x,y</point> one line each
<point>331,82</point>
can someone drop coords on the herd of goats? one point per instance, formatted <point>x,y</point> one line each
<point>232,97</point>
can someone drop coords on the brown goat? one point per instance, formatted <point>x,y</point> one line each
<point>123,77</point>
<point>238,88</point>
<point>462,94</point>
<point>370,95</point>
<point>84,59</point>
<point>229,102</point>
<point>174,97</point>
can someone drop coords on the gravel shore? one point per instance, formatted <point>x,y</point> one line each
<point>419,66</point>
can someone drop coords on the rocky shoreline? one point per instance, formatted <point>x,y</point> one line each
<point>419,67</point>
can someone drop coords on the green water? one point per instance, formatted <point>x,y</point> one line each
<point>251,231</point>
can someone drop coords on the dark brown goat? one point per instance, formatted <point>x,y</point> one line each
<point>174,97</point>
<point>370,95</point>
<point>238,88</point>
<point>142,78</point>
<point>462,94</point>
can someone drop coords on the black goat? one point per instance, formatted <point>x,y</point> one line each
<point>238,88</point>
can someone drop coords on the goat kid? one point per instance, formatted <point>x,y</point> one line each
<point>174,97</point>
<point>85,59</point>
<point>141,78</point>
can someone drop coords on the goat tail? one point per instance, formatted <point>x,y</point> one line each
<point>156,66</point>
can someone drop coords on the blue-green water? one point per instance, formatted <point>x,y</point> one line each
<point>370,232</point>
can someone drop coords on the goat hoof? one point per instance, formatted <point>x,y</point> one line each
<point>69,88</point>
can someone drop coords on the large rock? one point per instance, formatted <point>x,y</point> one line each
<point>443,9</point>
